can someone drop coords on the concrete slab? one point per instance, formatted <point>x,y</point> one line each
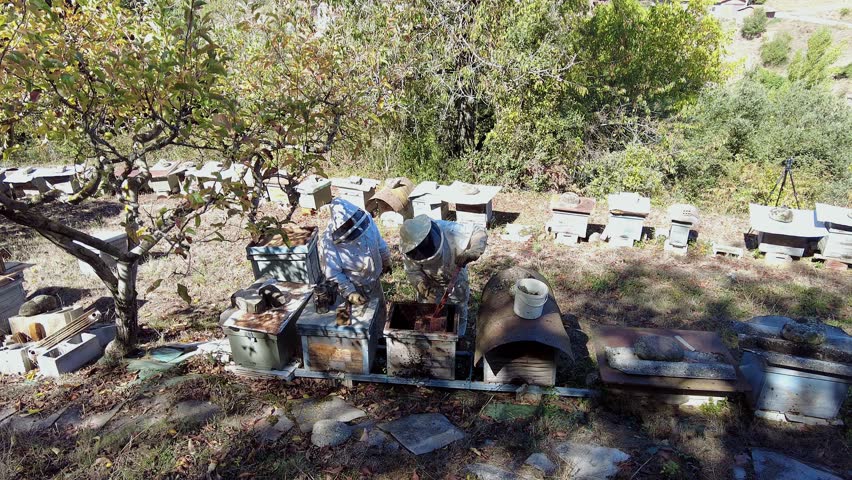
<point>423,433</point>
<point>769,465</point>
<point>310,411</point>
<point>590,461</point>
<point>14,359</point>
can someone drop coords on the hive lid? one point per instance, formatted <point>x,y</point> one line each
<point>164,168</point>
<point>802,224</point>
<point>833,214</point>
<point>629,203</point>
<point>497,323</point>
<point>355,183</point>
<point>312,184</point>
<point>776,359</point>
<point>572,203</point>
<point>683,213</point>
<point>206,170</point>
<point>312,323</point>
<point>467,194</point>
<point>273,320</point>
<point>424,188</point>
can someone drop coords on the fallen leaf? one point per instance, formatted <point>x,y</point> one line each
<point>414,476</point>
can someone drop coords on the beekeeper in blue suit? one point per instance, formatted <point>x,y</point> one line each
<point>436,251</point>
<point>355,254</point>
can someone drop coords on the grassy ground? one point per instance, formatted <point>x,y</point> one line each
<point>594,285</point>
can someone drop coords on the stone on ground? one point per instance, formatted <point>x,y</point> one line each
<point>808,333</point>
<point>589,461</point>
<point>330,433</point>
<point>423,433</point>
<point>269,428</point>
<point>540,462</point>
<point>484,471</point>
<point>310,411</point>
<point>657,347</point>
<point>38,305</point>
<point>194,411</point>
<point>769,465</point>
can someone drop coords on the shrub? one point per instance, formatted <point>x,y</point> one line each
<point>637,168</point>
<point>844,12</point>
<point>844,72</point>
<point>755,24</point>
<point>776,51</point>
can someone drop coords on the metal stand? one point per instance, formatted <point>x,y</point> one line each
<point>782,181</point>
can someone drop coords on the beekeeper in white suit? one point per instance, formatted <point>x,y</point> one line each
<point>433,251</point>
<point>354,253</point>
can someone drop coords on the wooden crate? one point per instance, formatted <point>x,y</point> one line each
<point>413,353</point>
<point>351,348</point>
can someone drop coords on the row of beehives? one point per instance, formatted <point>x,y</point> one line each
<point>42,333</point>
<point>167,177</point>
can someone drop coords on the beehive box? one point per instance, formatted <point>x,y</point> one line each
<point>837,244</point>
<point>12,294</point>
<point>314,192</point>
<point>425,201</point>
<point>167,177</point>
<point>418,353</point>
<point>116,239</point>
<point>298,262</point>
<point>794,385</point>
<point>351,348</point>
<point>267,340</point>
<point>356,190</point>
<point>473,202</point>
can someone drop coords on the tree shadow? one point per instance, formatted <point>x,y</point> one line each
<point>80,216</point>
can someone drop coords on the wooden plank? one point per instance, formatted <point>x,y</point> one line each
<point>452,384</point>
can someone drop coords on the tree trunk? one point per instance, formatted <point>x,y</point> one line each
<point>126,311</point>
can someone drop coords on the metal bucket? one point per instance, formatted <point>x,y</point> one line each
<point>530,297</point>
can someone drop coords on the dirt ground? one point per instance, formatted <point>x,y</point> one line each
<point>594,285</point>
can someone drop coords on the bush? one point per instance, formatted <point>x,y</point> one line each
<point>776,51</point>
<point>844,72</point>
<point>844,12</point>
<point>637,168</point>
<point>755,24</point>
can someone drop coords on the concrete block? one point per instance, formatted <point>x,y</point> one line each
<point>777,259</point>
<point>14,359</point>
<point>70,355</point>
<point>51,321</point>
<point>567,239</point>
<point>727,250</point>
<point>674,249</point>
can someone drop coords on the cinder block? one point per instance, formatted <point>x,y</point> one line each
<point>14,359</point>
<point>727,250</point>
<point>105,332</point>
<point>70,355</point>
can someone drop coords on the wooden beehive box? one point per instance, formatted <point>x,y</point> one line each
<point>837,244</point>
<point>297,262</point>
<point>356,190</point>
<point>420,353</point>
<point>425,201</point>
<point>351,348</point>
<point>314,192</point>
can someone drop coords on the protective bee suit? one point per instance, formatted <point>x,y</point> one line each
<point>433,250</point>
<point>353,252</point>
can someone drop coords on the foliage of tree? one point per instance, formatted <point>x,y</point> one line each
<point>776,52</point>
<point>731,143</point>
<point>754,25</point>
<point>813,67</point>
<point>121,85</point>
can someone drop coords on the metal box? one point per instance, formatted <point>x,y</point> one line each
<point>297,263</point>
<point>267,340</point>
<point>415,353</point>
<point>782,389</point>
<point>351,348</point>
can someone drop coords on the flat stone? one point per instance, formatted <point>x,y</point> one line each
<point>808,333</point>
<point>33,423</point>
<point>484,471</point>
<point>589,461</point>
<point>270,428</point>
<point>308,412</point>
<point>769,465</point>
<point>658,347</point>
<point>330,433</point>
<point>540,462</point>
<point>194,411</point>
<point>424,432</point>
<point>625,360</point>
<point>38,305</point>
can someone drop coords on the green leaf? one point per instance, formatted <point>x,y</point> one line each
<point>184,294</point>
<point>154,286</point>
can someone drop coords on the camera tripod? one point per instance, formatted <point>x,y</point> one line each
<point>782,181</point>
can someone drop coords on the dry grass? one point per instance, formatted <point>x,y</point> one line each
<point>593,285</point>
